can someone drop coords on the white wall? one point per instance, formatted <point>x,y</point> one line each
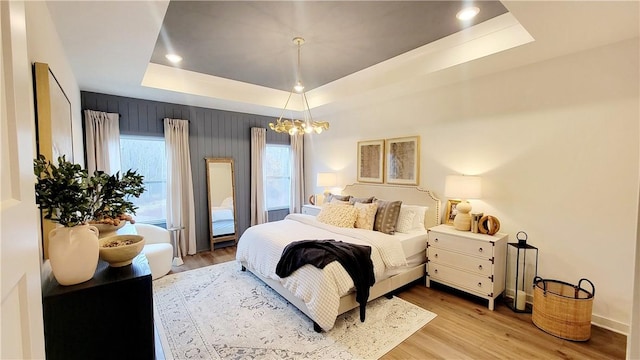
<point>556,144</point>
<point>45,46</point>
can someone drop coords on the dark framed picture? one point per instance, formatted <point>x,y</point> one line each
<point>403,160</point>
<point>451,211</point>
<point>371,161</point>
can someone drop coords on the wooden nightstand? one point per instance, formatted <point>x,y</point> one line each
<point>473,263</point>
<point>309,209</point>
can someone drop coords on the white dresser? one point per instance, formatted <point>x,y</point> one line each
<point>473,263</point>
<point>311,209</point>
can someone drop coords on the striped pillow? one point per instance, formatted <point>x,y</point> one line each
<point>387,216</point>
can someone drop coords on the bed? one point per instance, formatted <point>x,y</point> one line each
<point>323,294</point>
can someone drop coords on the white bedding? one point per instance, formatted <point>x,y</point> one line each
<point>261,247</point>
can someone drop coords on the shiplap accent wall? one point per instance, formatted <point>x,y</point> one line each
<point>212,133</point>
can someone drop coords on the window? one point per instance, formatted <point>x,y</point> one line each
<point>278,176</point>
<point>146,155</point>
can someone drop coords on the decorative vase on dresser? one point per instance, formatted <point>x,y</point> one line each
<point>473,263</point>
<point>73,253</point>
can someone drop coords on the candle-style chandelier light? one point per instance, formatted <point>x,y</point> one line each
<point>295,126</point>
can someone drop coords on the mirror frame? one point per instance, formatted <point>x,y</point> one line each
<point>229,237</point>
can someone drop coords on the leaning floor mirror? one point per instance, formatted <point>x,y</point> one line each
<point>222,200</point>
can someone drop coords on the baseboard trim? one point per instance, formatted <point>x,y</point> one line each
<point>609,324</point>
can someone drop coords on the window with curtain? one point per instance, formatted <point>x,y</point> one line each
<point>146,155</point>
<point>278,176</point>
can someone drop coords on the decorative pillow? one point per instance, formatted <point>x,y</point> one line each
<point>338,215</point>
<point>405,219</point>
<point>336,201</point>
<point>339,197</point>
<point>418,220</point>
<point>227,202</point>
<point>366,215</point>
<point>387,216</point>
<point>368,200</point>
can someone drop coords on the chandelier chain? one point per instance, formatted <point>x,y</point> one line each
<point>295,126</point>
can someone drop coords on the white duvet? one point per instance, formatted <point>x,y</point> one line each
<point>261,247</point>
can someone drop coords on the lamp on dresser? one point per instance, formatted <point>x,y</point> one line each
<point>326,180</point>
<point>464,188</point>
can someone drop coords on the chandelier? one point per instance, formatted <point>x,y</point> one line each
<point>307,124</point>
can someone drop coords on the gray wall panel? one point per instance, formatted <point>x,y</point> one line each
<point>212,133</point>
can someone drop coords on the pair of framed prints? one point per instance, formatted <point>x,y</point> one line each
<point>391,161</point>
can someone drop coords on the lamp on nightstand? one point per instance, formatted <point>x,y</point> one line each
<point>326,180</point>
<point>462,187</point>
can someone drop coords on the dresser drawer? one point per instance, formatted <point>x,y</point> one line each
<point>464,245</point>
<point>311,210</point>
<point>472,283</point>
<point>473,264</point>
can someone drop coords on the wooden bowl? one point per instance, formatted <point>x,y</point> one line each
<point>106,230</point>
<point>122,255</point>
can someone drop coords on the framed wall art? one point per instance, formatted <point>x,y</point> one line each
<point>371,161</point>
<point>451,211</point>
<point>53,115</point>
<point>54,134</point>
<point>403,160</point>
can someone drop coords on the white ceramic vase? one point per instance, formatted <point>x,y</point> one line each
<point>73,253</point>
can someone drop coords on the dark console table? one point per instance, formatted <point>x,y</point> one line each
<point>107,317</point>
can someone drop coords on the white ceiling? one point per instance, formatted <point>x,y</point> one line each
<point>113,55</point>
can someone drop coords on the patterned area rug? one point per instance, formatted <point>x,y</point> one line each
<point>220,312</point>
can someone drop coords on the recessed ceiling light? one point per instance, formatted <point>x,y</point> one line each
<point>173,58</point>
<point>467,13</point>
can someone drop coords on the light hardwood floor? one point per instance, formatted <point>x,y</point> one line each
<point>466,329</point>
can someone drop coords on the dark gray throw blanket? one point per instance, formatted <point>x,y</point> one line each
<point>356,260</point>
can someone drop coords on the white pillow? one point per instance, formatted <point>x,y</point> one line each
<point>366,215</point>
<point>338,215</point>
<point>418,219</point>
<point>227,203</point>
<point>405,219</point>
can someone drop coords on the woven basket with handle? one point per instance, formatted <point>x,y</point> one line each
<point>563,309</point>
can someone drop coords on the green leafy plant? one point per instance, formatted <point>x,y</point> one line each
<point>66,193</point>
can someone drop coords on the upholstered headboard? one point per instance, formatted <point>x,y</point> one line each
<point>410,195</point>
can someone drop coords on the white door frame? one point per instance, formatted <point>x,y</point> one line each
<point>22,330</point>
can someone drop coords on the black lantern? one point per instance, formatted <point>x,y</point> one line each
<point>522,268</point>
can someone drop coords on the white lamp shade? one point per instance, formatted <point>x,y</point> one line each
<point>326,180</point>
<point>462,187</point>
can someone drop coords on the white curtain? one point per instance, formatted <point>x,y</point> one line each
<point>102,138</point>
<point>180,204</point>
<point>258,152</point>
<point>297,173</point>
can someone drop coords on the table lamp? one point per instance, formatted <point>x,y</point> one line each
<point>326,180</point>
<point>463,188</point>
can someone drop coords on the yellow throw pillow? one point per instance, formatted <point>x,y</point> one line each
<point>338,215</point>
<point>366,215</point>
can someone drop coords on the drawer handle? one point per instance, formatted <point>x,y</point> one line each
<point>479,267</point>
<point>436,256</point>
<point>480,250</point>
<point>479,284</point>
<point>435,240</point>
<point>435,271</point>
